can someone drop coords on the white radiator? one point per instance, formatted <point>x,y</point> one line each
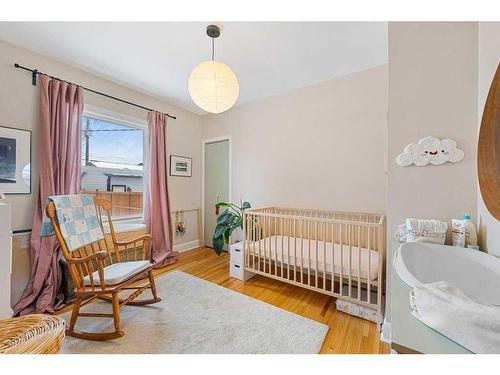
<point>5,261</point>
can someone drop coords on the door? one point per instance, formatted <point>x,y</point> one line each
<point>216,183</point>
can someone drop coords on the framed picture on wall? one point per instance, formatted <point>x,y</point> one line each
<point>15,161</point>
<point>180,166</point>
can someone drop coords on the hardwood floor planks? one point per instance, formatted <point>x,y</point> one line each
<point>347,334</point>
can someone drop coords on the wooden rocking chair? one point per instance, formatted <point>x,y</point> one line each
<point>101,270</point>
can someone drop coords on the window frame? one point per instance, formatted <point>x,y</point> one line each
<point>125,120</point>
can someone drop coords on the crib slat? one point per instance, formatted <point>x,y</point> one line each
<point>333,258</point>
<point>294,249</point>
<point>316,260</point>
<point>251,219</point>
<point>369,297</point>
<point>270,234</point>
<point>249,241</point>
<point>282,244</point>
<point>270,245</point>
<point>264,241</point>
<point>245,241</point>
<point>259,238</point>
<point>289,222</point>
<point>341,261</point>
<point>359,262</point>
<point>270,224</point>
<point>309,253</point>
<point>266,235</point>
<point>276,246</point>
<point>302,251</point>
<point>324,255</point>
<point>350,260</point>
<point>254,237</point>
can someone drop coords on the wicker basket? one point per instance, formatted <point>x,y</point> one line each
<point>32,334</point>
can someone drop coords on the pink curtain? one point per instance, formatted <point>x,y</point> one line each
<point>61,106</point>
<point>157,205</point>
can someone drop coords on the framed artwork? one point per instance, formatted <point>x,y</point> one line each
<point>180,166</point>
<point>15,161</point>
<point>119,188</point>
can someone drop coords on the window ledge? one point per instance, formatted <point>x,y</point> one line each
<point>125,227</point>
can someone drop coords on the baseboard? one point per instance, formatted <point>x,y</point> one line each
<point>186,246</point>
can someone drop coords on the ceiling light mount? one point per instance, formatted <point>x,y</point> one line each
<point>213,31</point>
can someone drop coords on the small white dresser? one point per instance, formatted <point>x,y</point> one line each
<point>5,260</point>
<point>236,262</point>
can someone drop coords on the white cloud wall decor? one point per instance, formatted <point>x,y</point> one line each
<point>430,150</point>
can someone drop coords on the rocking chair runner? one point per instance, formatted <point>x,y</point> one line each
<point>101,271</point>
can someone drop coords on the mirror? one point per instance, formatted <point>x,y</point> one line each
<point>488,151</point>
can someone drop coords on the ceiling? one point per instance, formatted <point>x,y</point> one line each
<point>268,58</point>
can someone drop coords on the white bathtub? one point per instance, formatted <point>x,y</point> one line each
<point>474,272</point>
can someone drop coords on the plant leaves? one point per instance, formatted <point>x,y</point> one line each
<point>227,222</point>
<point>227,234</point>
<point>224,216</point>
<point>219,230</point>
<point>238,222</point>
<point>218,244</point>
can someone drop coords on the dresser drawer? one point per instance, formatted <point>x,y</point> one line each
<point>236,270</point>
<point>236,253</point>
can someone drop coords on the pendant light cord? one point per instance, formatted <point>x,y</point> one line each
<point>213,49</point>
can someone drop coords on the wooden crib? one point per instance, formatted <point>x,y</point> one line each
<point>340,254</point>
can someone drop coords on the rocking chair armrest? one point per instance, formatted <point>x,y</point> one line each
<point>137,239</point>
<point>101,255</point>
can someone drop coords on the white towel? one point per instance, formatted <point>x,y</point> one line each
<point>464,319</point>
<point>424,230</point>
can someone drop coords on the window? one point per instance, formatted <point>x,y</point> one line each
<point>113,163</point>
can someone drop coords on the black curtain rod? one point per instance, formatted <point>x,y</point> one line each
<point>35,72</point>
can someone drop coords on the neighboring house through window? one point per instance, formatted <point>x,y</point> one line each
<point>113,162</point>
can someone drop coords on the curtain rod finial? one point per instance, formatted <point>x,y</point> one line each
<point>33,77</point>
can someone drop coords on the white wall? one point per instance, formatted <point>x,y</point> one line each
<point>321,146</point>
<point>432,91</point>
<point>489,58</point>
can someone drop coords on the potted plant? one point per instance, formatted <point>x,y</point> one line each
<point>227,222</point>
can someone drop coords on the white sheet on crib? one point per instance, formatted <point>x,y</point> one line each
<point>306,249</point>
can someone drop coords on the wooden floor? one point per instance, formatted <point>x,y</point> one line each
<point>347,334</point>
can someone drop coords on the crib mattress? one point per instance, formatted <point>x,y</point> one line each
<point>277,248</point>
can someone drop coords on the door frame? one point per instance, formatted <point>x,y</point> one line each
<point>203,148</point>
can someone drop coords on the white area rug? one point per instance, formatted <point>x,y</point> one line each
<point>196,316</point>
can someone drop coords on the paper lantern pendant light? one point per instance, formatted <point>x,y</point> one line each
<point>212,85</point>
